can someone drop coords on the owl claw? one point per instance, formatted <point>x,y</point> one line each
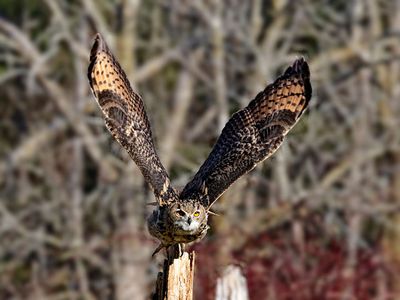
<point>180,249</point>
<point>161,246</point>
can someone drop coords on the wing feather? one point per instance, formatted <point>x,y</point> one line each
<point>125,116</point>
<point>253,134</point>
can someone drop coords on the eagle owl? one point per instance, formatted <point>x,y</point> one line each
<point>250,136</point>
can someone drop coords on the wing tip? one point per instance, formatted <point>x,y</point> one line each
<point>99,45</point>
<point>304,70</point>
<point>300,67</point>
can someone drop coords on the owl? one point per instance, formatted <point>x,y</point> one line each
<point>250,136</point>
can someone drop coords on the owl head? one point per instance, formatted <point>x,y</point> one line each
<point>187,216</point>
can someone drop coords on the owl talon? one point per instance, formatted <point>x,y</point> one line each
<point>160,247</point>
<point>181,249</point>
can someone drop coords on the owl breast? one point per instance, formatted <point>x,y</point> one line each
<point>171,232</point>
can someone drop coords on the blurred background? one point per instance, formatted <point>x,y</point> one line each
<point>317,221</point>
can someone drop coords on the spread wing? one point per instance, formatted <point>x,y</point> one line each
<point>125,116</point>
<point>253,134</point>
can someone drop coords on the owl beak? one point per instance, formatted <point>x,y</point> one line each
<point>189,220</point>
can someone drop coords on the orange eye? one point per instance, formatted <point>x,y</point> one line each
<point>196,214</point>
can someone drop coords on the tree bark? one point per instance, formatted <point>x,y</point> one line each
<point>175,282</point>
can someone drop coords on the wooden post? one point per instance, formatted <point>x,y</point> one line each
<point>232,285</point>
<point>175,282</point>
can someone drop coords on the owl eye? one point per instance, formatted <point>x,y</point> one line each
<point>196,214</point>
<point>181,212</point>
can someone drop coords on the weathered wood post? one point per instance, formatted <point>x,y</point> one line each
<point>232,285</point>
<point>175,282</point>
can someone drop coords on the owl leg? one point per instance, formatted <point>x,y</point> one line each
<point>158,249</point>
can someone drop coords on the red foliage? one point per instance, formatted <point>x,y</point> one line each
<point>277,268</point>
